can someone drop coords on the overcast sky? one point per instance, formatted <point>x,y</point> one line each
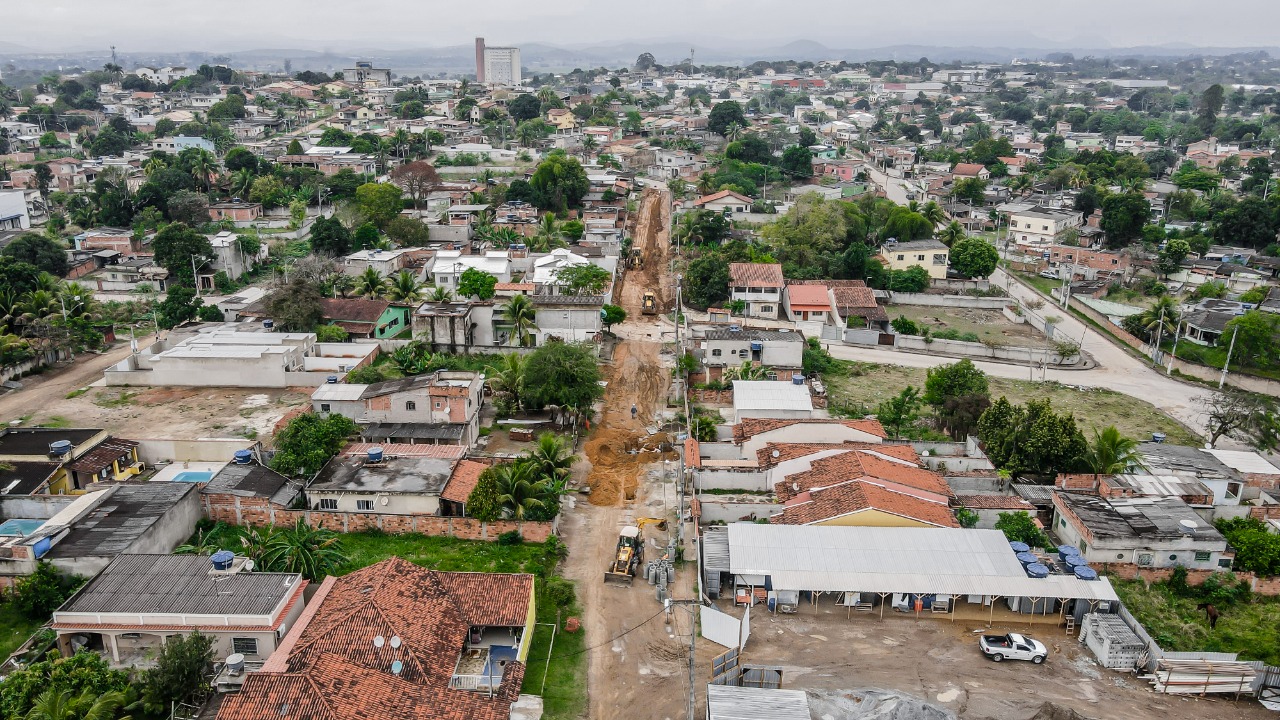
<point>339,25</point>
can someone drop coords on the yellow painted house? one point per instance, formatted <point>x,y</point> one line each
<point>62,461</point>
<point>931,255</point>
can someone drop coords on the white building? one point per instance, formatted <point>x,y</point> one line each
<point>1042,226</point>
<point>13,210</point>
<point>502,66</point>
<point>449,265</point>
<point>770,399</point>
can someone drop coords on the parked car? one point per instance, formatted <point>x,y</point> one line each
<point>1049,274</point>
<point>1012,646</point>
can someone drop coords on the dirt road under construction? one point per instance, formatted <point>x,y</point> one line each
<point>638,657</point>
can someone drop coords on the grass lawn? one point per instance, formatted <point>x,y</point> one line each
<point>977,325</point>
<point>866,385</point>
<point>1251,629</point>
<point>15,628</point>
<point>564,696</point>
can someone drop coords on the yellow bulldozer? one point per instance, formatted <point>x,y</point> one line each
<point>649,303</point>
<point>630,552</point>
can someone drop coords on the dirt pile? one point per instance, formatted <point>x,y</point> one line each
<point>1052,711</point>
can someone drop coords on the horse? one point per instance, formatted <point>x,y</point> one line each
<point>1211,613</point>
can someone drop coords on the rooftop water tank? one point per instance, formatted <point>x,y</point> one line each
<point>222,559</point>
<point>1065,550</point>
<point>235,663</point>
<point>1158,437</point>
<point>268,324</point>
<point>42,546</point>
<point>1026,558</point>
<point>375,454</point>
<point>243,457</point>
<point>1019,547</point>
<point>1036,570</point>
<point>797,379</point>
<point>1084,572</point>
<point>58,448</point>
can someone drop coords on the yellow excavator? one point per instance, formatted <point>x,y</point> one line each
<point>630,552</point>
<point>649,303</point>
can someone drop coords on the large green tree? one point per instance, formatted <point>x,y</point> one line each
<point>1123,217</point>
<point>308,442</point>
<point>725,114</point>
<point>954,380</point>
<point>379,202</point>
<point>176,246</point>
<point>559,183</point>
<point>330,237</point>
<point>974,257</point>
<point>562,374</point>
<point>296,307</point>
<point>1257,338</point>
<point>1031,439</point>
<point>476,283</point>
<point>39,250</point>
<point>181,669</point>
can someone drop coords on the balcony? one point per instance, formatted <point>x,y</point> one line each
<point>485,659</point>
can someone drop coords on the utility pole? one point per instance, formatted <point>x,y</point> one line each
<point>1155,351</point>
<point>1222,380</point>
<point>693,636</point>
<point>195,278</point>
<point>1174,356</point>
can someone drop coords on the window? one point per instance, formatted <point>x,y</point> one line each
<point>1062,522</point>
<point>439,404</point>
<point>902,257</point>
<point>1203,556</point>
<point>244,646</point>
<point>939,258</point>
<point>324,407</point>
<point>1224,563</point>
<point>920,258</point>
<point>364,505</point>
<point>1173,557</point>
<point>328,503</point>
<point>410,405</point>
<point>716,352</point>
<point>764,309</point>
<point>742,353</point>
<point>1044,227</point>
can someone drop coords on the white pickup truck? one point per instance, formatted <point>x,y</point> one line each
<point>1012,646</point>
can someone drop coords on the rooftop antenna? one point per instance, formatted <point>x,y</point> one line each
<point>113,55</point>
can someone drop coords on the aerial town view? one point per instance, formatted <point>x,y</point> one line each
<point>686,361</point>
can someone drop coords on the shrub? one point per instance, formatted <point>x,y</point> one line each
<point>482,503</point>
<point>331,334</point>
<point>39,594</point>
<point>904,325</point>
<point>511,537</point>
<point>366,375</point>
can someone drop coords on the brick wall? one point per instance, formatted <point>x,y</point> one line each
<point>1265,512</point>
<point>1129,571</point>
<point>258,512</point>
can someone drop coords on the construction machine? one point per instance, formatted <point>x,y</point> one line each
<point>628,556</point>
<point>649,304</point>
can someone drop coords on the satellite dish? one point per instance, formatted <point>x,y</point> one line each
<point>776,453</point>
<point>1188,526</point>
<point>395,641</point>
<point>379,641</point>
<point>248,565</point>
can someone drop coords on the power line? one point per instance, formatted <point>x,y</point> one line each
<point>606,642</point>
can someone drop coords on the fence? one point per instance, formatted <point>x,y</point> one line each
<point>1014,353</point>
<point>956,301</point>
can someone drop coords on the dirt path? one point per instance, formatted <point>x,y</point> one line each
<point>42,391</point>
<point>638,657</point>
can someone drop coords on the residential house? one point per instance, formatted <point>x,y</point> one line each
<point>229,257</point>
<point>237,212</point>
<point>448,266</point>
<point>971,170</point>
<point>362,318</point>
<point>392,479</point>
<point>385,262</point>
<point>178,143</point>
<point>807,303</point>
<point>771,399</point>
<point>430,644</point>
<point>41,457</point>
<point>562,121</point>
<point>854,306</point>
<point>443,406</point>
<point>138,602</point>
<point>866,488</point>
<point>1041,226</point>
<point>780,351</point>
<point>246,493</point>
<point>1088,264</point>
<point>931,255</point>
<point>14,214</point>
<point>571,318</point>
<point>456,327</point>
<point>1148,532</point>
<point>726,202</point>
<point>759,286</point>
<point>107,238</point>
<point>126,275</point>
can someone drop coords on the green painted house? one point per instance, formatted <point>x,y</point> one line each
<point>363,318</point>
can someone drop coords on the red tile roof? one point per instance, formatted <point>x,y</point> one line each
<point>720,196</point>
<point>856,496</point>
<point>860,464</point>
<point>995,502</point>
<point>854,297</point>
<point>790,451</point>
<point>808,297</point>
<point>750,427</point>
<point>755,275</point>
<point>329,667</point>
<point>355,310</point>
<point>465,476</point>
<point>103,455</point>
<point>444,452</point>
<point>967,169</point>
<point>692,453</point>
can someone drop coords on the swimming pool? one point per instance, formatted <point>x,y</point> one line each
<point>193,476</point>
<point>19,527</point>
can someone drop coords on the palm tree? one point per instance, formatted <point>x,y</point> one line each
<point>441,294</point>
<point>746,371</point>
<point>369,284</point>
<point>36,305</point>
<point>1110,452</point>
<point>10,309</point>
<point>551,460</point>
<point>522,316</point>
<point>934,213</point>
<point>503,237</point>
<point>589,143</point>
<point>204,542</point>
<point>313,552</point>
<point>54,705</point>
<point>342,284</point>
<point>404,288</point>
<point>951,234</point>
<point>519,493</point>
<point>1162,313</point>
<point>508,376</point>
<point>242,182</point>
<point>153,166</point>
<point>203,168</point>
<point>400,140</point>
<point>547,237</point>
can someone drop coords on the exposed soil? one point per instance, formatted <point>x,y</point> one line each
<point>638,662</point>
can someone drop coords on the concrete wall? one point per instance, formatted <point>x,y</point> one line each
<point>956,301</point>
<point>171,529</point>
<point>36,507</point>
<point>204,450</point>
<point>960,348</point>
<point>397,503</point>
<point>717,479</point>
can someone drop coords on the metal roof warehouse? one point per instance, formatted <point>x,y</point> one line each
<point>943,561</point>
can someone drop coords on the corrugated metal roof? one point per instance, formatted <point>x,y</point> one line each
<point>715,550</point>
<point>906,560</point>
<point>181,585</point>
<point>1245,461</point>
<point>770,395</point>
<point>727,702</point>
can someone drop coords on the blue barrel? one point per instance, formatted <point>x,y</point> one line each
<point>1036,570</point>
<point>42,546</point>
<point>243,457</point>
<point>222,559</point>
<point>1027,558</point>
<point>1084,572</point>
<point>1019,547</point>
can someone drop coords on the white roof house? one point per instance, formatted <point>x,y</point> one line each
<point>728,702</point>
<point>545,268</point>
<point>952,561</point>
<point>450,264</point>
<point>770,399</point>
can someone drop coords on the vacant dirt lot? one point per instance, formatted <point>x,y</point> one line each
<point>169,412</point>
<point>938,661</point>
<point>988,325</point>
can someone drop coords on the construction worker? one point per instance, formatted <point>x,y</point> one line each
<point>633,412</point>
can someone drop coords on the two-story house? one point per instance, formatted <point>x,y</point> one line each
<point>439,408</point>
<point>759,286</point>
<point>931,255</point>
<point>781,351</point>
<point>1041,226</point>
